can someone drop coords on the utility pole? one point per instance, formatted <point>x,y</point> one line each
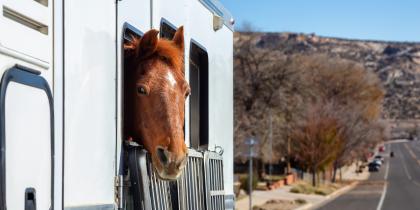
<point>250,178</point>
<point>271,148</point>
<point>288,155</point>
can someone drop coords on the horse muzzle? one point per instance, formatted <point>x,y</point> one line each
<point>171,165</point>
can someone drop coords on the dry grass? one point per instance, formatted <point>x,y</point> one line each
<point>325,189</point>
<point>280,205</point>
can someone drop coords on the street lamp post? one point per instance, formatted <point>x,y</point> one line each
<point>251,142</point>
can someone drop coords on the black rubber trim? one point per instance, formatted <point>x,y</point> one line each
<point>29,77</point>
<point>169,34</point>
<point>129,30</point>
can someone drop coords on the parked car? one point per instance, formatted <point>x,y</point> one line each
<point>374,167</point>
<point>377,161</point>
<point>379,157</point>
<point>382,149</point>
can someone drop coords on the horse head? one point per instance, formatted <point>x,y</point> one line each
<point>156,93</point>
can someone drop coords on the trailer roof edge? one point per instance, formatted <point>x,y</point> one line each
<point>217,8</point>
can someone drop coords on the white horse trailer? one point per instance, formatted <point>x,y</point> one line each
<point>61,106</point>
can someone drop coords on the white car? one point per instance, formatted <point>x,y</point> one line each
<point>377,161</point>
<point>379,157</point>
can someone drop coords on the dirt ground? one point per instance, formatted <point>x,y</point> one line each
<point>280,205</point>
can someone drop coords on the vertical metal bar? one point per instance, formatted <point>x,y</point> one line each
<point>181,194</point>
<point>217,186</point>
<point>222,184</point>
<point>167,192</point>
<point>164,195</point>
<point>184,191</point>
<point>211,184</point>
<point>250,179</point>
<point>156,189</point>
<point>153,189</point>
<point>160,197</point>
<point>194,201</point>
<point>200,187</point>
<point>193,184</point>
<point>187,187</point>
<point>196,183</point>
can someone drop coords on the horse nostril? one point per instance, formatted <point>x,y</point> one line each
<point>162,156</point>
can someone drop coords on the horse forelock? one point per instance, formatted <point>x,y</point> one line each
<point>171,53</point>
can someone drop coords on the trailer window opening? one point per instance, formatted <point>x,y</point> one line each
<point>128,33</point>
<point>199,98</point>
<point>167,30</point>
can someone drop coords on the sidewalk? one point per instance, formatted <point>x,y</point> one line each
<point>349,173</point>
<point>283,193</point>
<point>260,197</point>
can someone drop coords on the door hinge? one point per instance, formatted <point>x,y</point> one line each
<point>119,186</point>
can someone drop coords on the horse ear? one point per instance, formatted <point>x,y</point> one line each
<point>179,38</point>
<point>148,43</point>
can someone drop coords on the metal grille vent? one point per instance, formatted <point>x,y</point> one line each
<point>214,181</point>
<point>191,183</point>
<point>160,195</point>
<point>200,187</point>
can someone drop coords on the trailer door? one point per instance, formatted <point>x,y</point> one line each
<point>26,141</point>
<point>89,104</point>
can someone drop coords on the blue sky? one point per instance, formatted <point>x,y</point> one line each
<point>392,20</point>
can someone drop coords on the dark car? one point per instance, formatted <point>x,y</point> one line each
<point>374,167</point>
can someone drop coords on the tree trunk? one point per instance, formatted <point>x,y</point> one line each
<point>334,172</point>
<point>262,171</point>
<point>313,176</point>
<point>341,175</point>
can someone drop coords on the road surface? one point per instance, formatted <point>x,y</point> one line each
<point>395,187</point>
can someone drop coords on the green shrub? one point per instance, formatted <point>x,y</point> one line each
<point>306,188</point>
<point>244,182</point>
<point>303,188</point>
<point>324,190</point>
<point>320,192</point>
<point>295,190</point>
<point>300,201</point>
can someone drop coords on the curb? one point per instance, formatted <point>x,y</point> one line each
<point>329,197</point>
<point>342,190</point>
<point>304,207</point>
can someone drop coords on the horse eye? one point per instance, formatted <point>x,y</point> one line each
<point>142,90</point>
<point>187,93</point>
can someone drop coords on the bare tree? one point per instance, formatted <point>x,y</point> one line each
<point>357,97</point>
<point>266,84</point>
<point>316,138</point>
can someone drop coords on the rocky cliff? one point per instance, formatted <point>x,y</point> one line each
<point>397,64</point>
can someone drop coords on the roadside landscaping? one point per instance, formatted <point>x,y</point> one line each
<point>300,194</point>
<point>323,189</point>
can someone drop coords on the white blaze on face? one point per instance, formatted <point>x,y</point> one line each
<point>171,79</point>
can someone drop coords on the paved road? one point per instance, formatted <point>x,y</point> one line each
<point>395,187</point>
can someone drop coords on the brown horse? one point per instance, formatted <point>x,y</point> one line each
<point>155,93</point>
